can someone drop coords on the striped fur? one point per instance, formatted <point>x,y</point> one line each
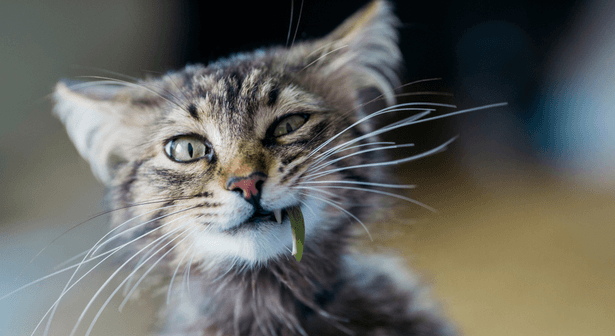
<point>243,276</point>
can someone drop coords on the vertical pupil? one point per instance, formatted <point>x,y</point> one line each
<point>288,128</point>
<point>190,150</point>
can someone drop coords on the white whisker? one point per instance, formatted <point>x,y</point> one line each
<point>322,56</point>
<point>385,193</point>
<point>62,271</point>
<point>132,290</point>
<point>187,273</point>
<point>139,263</point>
<point>69,260</point>
<point>95,249</point>
<point>376,132</point>
<point>390,109</point>
<point>406,122</point>
<point>290,25</point>
<point>352,147</point>
<point>321,166</point>
<point>374,184</point>
<point>318,190</point>
<point>117,271</point>
<point>108,80</point>
<point>386,163</point>
<point>309,207</point>
<point>91,269</point>
<point>176,269</point>
<point>297,27</point>
<point>133,228</point>
<point>140,279</point>
<point>345,211</point>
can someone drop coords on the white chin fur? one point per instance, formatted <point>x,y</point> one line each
<point>256,246</point>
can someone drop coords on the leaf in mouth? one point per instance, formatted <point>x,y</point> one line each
<point>297,226</point>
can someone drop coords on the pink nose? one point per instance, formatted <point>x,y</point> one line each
<point>249,187</point>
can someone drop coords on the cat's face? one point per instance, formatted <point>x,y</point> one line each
<point>213,155</point>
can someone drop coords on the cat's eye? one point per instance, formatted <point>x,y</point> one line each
<point>289,124</point>
<point>187,149</point>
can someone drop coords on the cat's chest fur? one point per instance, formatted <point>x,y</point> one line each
<point>205,163</point>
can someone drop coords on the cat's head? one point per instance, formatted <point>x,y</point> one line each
<point>211,153</point>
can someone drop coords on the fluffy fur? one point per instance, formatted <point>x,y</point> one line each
<point>243,280</point>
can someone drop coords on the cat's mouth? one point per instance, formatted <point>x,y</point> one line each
<point>261,215</point>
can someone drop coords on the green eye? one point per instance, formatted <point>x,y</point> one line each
<point>289,124</point>
<point>187,149</point>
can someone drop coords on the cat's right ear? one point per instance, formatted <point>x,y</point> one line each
<point>95,117</point>
<point>361,53</point>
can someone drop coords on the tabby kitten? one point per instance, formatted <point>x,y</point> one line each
<point>203,163</point>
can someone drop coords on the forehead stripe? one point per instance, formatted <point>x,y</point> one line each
<point>193,112</point>
<point>273,96</point>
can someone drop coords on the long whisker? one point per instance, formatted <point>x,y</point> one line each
<point>94,267</point>
<point>385,193</point>
<point>92,218</point>
<point>409,121</point>
<point>140,279</point>
<point>137,85</point>
<point>68,261</point>
<point>297,27</point>
<point>115,273</point>
<point>114,81</point>
<point>94,248</point>
<point>187,273</point>
<point>343,210</point>
<point>374,133</point>
<point>386,163</point>
<point>351,147</point>
<point>309,208</point>
<point>290,25</point>
<point>328,163</point>
<point>139,263</point>
<point>484,107</point>
<point>175,272</point>
<point>374,184</point>
<point>121,306</point>
<point>320,191</point>
<point>135,227</point>
<point>114,73</point>
<point>321,57</point>
<point>98,256</point>
<point>390,109</point>
<point>381,96</point>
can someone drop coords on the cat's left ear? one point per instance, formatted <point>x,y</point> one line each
<point>363,51</point>
<point>101,121</point>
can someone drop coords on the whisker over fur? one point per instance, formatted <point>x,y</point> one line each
<point>384,185</point>
<point>344,211</point>
<point>232,150</point>
<point>88,272</point>
<point>89,304</point>
<point>328,163</point>
<point>92,251</point>
<point>385,163</point>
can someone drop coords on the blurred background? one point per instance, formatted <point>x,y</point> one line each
<point>523,241</point>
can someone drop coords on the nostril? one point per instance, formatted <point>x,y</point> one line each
<point>238,190</point>
<point>259,185</point>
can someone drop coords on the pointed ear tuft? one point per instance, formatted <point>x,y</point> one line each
<point>93,121</point>
<point>366,48</point>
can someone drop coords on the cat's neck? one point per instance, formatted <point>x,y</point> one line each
<point>282,294</point>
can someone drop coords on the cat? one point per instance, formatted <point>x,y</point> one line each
<point>202,165</point>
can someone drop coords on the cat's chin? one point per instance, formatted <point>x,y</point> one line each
<point>255,242</point>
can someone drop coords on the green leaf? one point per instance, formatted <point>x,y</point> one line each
<point>297,224</point>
